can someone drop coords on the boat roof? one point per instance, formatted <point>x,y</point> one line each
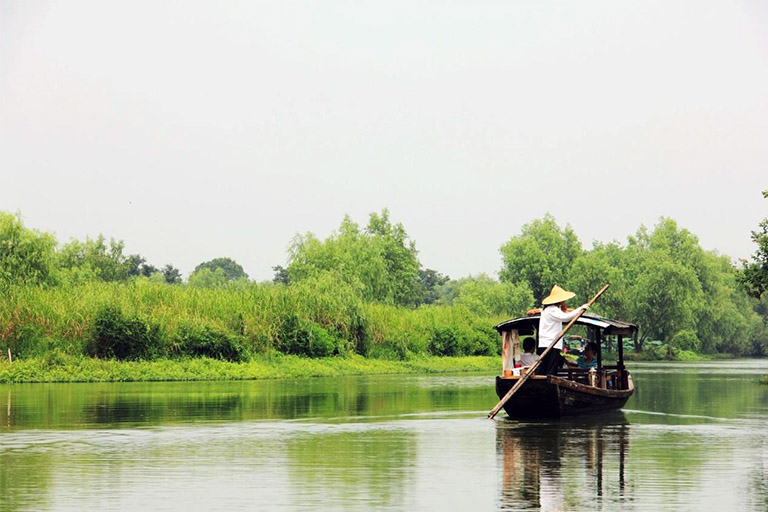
<point>529,323</point>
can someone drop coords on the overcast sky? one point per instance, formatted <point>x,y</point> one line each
<point>193,130</point>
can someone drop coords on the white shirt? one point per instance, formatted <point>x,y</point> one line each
<point>551,323</point>
<point>528,359</point>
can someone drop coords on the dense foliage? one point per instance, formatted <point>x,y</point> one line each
<point>380,261</point>
<point>144,319</point>
<point>360,291</point>
<point>663,280</point>
<point>26,255</point>
<point>754,275</point>
<point>542,255</point>
<point>216,272</point>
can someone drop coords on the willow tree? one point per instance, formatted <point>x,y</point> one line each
<point>488,297</point>
<point>380,261</point>
<point>541,256</point>
<point>754,274</point>
<point>26,255</point>
<point>96,260</point>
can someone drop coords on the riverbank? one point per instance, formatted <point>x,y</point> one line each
<point>59,367</point>
<point>85,369</point>
<point>664,355</point>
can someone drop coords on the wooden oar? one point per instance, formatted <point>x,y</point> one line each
<point>532,368</point>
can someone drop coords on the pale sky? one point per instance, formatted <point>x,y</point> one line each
<point>194,130</point>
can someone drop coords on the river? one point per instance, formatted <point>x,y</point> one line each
<point>693,437</point>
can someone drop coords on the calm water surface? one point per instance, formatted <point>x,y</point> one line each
<point>693,437</point>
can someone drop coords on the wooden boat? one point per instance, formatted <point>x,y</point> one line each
<point>569,391</point>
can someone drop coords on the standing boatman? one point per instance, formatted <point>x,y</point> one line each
<point>553,314</point>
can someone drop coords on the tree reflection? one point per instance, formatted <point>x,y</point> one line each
<point>574,463</point>
<point>345,469</point>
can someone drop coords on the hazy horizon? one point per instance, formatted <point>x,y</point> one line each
<point>199,130</point>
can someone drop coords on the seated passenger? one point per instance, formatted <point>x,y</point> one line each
<point>528,358</point>
<point>588,359</point>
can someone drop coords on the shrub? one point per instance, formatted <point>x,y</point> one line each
<point>321,343</point>
<point>464,341</point>
<point>358,333</point>
<point>332,304</point>
<point>23,340</point>
<point>395,348</point>
<point>306,338</point>
<point>686,340</point>
<point>481,341</point>
<point>117,336</point>
<point>55,358</point>
<point>207,341</point>
<point>445,342</point>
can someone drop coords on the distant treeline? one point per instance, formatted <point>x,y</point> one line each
<point>361,290</point>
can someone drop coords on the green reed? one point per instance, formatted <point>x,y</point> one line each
<point>317,319</point>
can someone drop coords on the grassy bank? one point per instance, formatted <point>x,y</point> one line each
<point>145,321</point>
<point>145,331</point>
<point>86,369</point>
<point>763,380</point>
<point>664,355</point>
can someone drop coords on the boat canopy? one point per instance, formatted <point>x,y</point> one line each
<point>527,325</point>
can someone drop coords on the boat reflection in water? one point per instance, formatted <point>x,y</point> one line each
<point>575,463</point>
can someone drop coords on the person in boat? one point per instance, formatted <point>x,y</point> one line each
<point>588,359</point>
<point>528,357</point>
<point>554,312</point>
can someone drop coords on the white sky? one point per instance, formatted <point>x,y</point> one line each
<point>194,130</point>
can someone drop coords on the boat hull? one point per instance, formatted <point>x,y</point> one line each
<point>554,396</point>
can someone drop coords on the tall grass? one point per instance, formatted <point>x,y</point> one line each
<point>316,318</point>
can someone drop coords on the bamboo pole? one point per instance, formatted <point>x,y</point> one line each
<point>532,368</point>
<point>10,359</point>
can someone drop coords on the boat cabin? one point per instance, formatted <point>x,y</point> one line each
<point>598,329</point>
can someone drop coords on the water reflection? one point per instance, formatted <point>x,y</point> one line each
<point>370,466</point>
<point>692,438</point>
<point>68,406</point>
<point>563,465</point>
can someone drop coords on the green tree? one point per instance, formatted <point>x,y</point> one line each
<point>726,317</point>
<point>26,255</point>
<point>229,267</point>
<point>399,254</point>
<point>381,261</point>
<point>542,256</point>
<point>604,264</point>
<point>207,278</point>
<point>723,316</point>
<point>754,275</point>
<point>136,265</point>
<point>685,340</point>
<point>171,274</point>
<point>94,259</point>
<point>664,298</point>
<point>281,275</point>
<point>485,296</point>
<point>430,282</point>
<point>759,332</point>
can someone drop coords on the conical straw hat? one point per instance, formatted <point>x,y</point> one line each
<point>557,295</point>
